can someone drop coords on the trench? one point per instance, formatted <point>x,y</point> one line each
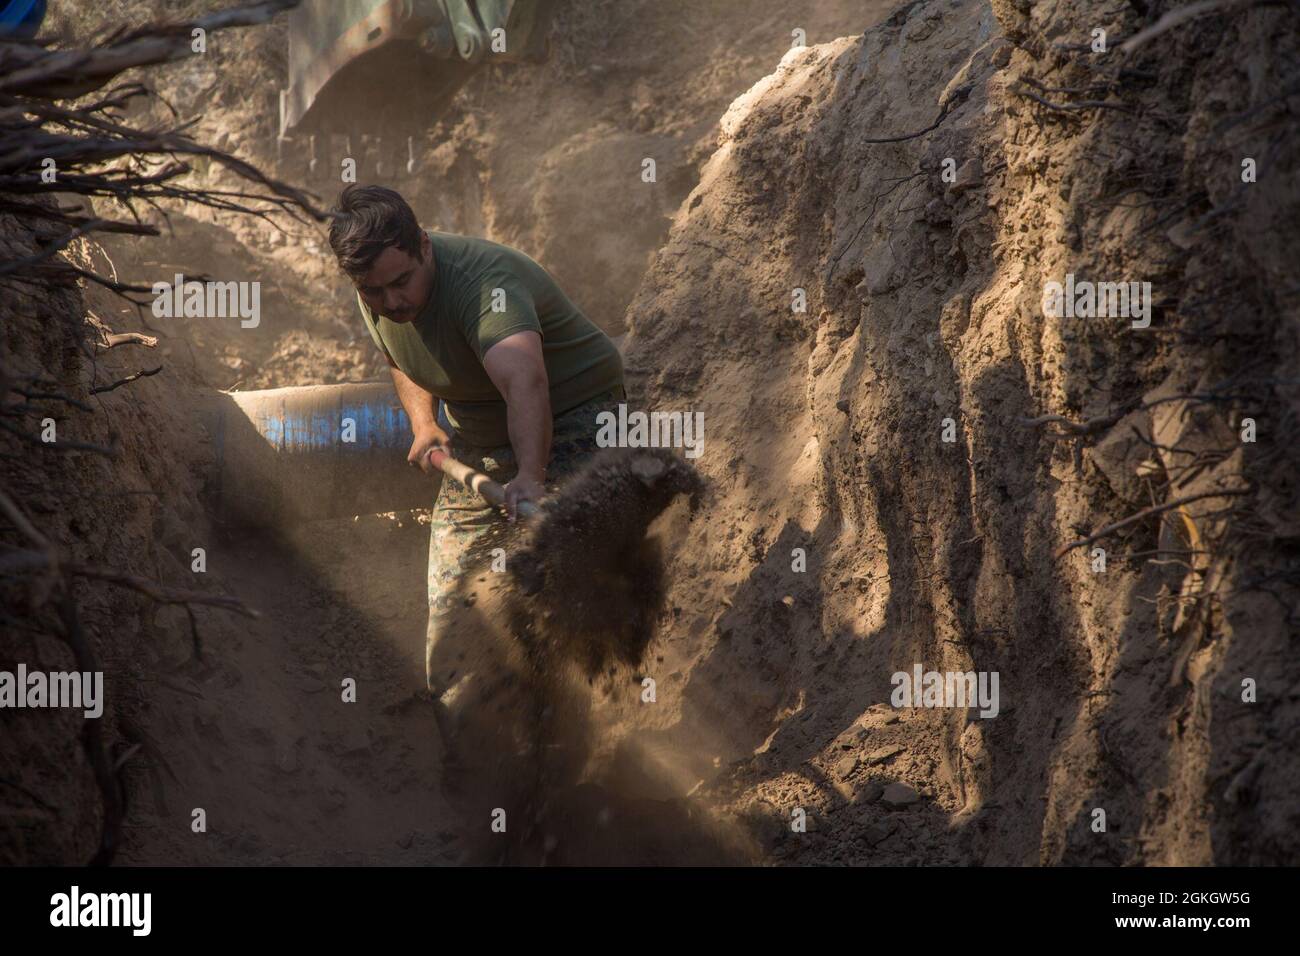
<point>773,688</point>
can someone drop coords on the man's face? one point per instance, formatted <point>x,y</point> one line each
<point>398,285</point>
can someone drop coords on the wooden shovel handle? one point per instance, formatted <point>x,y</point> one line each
<point>490,490</point>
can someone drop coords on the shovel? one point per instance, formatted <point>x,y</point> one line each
<point>490,490</point>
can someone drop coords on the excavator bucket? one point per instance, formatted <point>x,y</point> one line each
<point>357,66</point>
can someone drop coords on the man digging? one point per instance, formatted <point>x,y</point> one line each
<point>521,372</point>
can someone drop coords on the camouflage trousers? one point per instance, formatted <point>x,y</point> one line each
<point>463,521</point>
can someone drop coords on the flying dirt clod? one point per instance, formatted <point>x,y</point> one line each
<point>588,552</point>
<point>583,587</point>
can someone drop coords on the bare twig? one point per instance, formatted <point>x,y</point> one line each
<point>62,445</point>
<point>1072,107</point>
<point>959,96</point>
<point>144,373</point>
<point>875,201</point>
<point>1145,513</point>
<point>44,549</point>
<point>158,592</point>
<point>1234,121</point>
<point>93,736</point>
<point>31,796</point>
<point>52,397</point>
<point>34,71</point>
<point>1097,424</point>
<point>113,339</point>
<point>53,249</point>
<point>1172,19</point>
<point>96,154</point>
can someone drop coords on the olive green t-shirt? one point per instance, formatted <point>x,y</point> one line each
<point>482,293</point>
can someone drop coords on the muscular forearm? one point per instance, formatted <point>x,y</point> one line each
<point>421,407</point>
<point>528,420</point>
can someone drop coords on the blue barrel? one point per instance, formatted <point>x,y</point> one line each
<point>316,451</point>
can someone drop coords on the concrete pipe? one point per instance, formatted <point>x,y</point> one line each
<point>318,451</point>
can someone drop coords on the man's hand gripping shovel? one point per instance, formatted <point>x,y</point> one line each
<point>476,481</point>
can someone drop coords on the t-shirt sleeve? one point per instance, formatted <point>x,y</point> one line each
<point>369,320</point>
<point>503,306</point>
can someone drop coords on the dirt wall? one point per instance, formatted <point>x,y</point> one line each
<point>837,299</point>
<point>1121,690</point>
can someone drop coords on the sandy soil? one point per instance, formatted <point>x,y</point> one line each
<point>1121,691</point>
<point>260,731</point>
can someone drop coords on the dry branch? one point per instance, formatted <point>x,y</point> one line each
<point>1171,19</point>
<point>62,445</point>
<point>958,97</point>
<point>51,397</point>
<point>144,373</point>
<point>1145,513</point>
<point>113,339</point>
<point>158,592</point>
<point>1071,107</point>
<point>97,154</point>
<point>93,736</point>
<point>1097,424</point>
<point>57,74</point>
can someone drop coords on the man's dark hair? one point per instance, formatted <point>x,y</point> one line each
<point>365,222</point>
